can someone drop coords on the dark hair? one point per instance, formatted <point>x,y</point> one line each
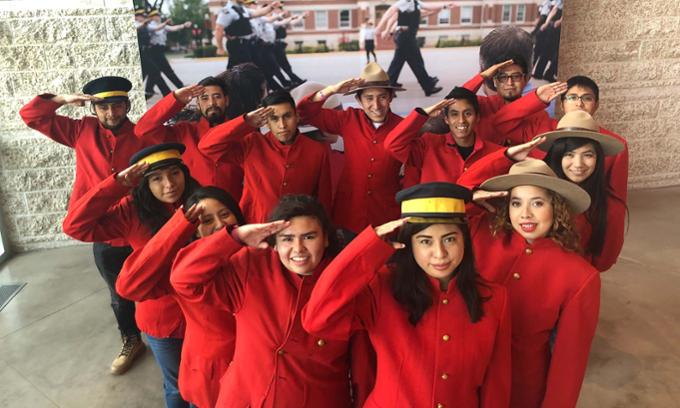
<point>464,94</point>
<point>150,210</point>
<point>244,82</point>
<point>596,185</point>
<point>218,194</point>
<point>277,98</point>
<point>411,287</point>
<point>302,205</point>
<point>583,81</point>
<point>212,81</point>
<point>504,43</point>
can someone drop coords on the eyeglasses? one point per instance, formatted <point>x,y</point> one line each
<point>573,98</point>
<point>515,77</point>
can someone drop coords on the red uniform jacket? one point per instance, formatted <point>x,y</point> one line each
<point>210,333</point>
<point>106,212</point>
<point>276,363</point>
<point>435,155</point>
<point>552,292</point>
<point>519,123</point>
<point>445,359</point>
<point>489,106</point>
<point>370,178</point>
<point>271,169</point>
<point>226,176</point>
<point>99,152</point>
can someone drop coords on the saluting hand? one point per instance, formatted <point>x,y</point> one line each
<point>194,213</point>
<point>386,229</point>
<point>521,151</point>
<point>130,177</point>
<point>343,86</point>
<point>258,117</point>
<point>491,71</point>
<point>436,109</point>
<point>74,99</point>
<point>186,94</point>
<point>482,197</point>
<point>548,92</point>
<point>254,235</point>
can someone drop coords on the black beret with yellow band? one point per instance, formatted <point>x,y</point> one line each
<point>160,155</point>
<point>108,88</point>
<point>435,202</point>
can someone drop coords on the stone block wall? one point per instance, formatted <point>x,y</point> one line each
<point>631,49</point>
<point>53,48</point>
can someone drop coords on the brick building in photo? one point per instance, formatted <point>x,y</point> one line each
<point>336,21</point>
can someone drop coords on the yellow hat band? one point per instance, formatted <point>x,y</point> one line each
<point>431,220</point>
<point>434,205</point>
<point>109,94</point>
<point>160,156</point>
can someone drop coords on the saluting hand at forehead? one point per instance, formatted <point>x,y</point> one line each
<point>521,151</point>
<point>255,235</point>
<point>75,99</point>
<point>548,92</point>
<point>130,177</point>
<point>258,117</point>
<point>387,228</point>
<point>436,109</point>
<point>491,71</point>
<point>341,87</point>
<point>186,94</point>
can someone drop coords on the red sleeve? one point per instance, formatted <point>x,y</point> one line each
<point>146,273</point>
<point>363,365</point>
<point>325,187</point>
<point>617,169</point>
<point>226,142</point>
<point>613,236</point>
<point>518,121</point>
<point>41,114</point>
<point>330,311</point>
<point>327,120</point>
<point>474,83</point>
<point>403,142</point>
<point>206,272</point>
<point>495,390</point>
<point>491,165</point>
<point>102,214</point>
<point>575,332</point>
<point>151,124</point>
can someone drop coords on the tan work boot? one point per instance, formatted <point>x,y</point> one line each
<point>133,346</point>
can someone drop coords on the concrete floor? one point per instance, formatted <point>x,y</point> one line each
<point>57,337</point>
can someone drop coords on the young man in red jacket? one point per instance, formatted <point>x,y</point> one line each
<point>518,122</point>
<point>103,144</point>
<point>213,101</point>
<point>436,157</point>
<point>277,163</point>
<point>370,177</point>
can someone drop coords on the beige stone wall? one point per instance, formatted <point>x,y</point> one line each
<point>57,50</point>
<point>631,48</point>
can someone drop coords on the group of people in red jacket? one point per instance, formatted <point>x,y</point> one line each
<point>456,269</point>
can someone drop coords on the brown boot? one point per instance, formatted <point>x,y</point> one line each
<point>133,346</point>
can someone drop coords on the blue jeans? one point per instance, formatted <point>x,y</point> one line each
<point>167,353</point>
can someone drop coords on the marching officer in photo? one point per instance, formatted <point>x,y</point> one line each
<point>158,42</point>
<point>149,68</point>
<point>103,144</point>
<point>281,25</point>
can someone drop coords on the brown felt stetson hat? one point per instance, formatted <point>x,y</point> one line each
<point>532,172</point>
<point>581,124</point>
<point>374,77</point>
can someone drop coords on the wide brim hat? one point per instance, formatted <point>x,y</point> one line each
<point>581,124</point>
<point>435,202</point>
<point>108,88</point>
<point>332,102</point>
<point>533,172</point>
<point>159,156</point>
<point>154,12</point>
<point>374,77</point>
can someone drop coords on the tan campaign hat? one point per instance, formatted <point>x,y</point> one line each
<point>581,124</point>
<point>532,172</point>
<point>374,77</point>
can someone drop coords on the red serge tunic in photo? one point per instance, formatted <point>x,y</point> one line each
<point>99,152</point>
<point>210,332</point>
<point>271,169</point>
<point>370,177</point>
<point>276,363</point>
<point>551,291</point>
<point>445,360</point>
<point>106,212</point>
<point>519,122</point>
<point>436,156</point>
<point>488,108</point>
<point>207,172</point>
